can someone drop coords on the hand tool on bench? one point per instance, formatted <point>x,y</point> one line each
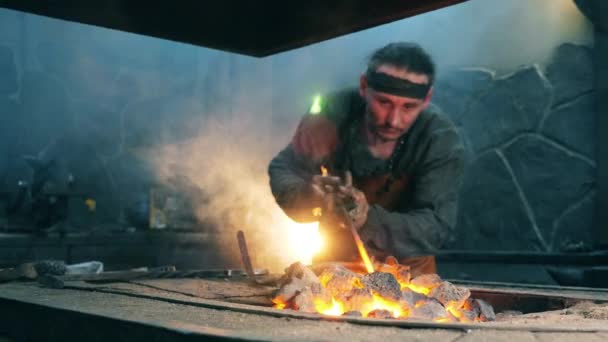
<point>152,273</point>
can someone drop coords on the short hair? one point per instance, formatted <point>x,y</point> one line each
<point>404,55</point>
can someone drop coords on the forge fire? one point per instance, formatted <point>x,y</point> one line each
<point>388,292</point>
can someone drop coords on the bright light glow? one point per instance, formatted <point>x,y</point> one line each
<point>380,303</point>
<point>316,105</point>
<point>336,308</point>
<point>419,289</point>
<point>304,240</point>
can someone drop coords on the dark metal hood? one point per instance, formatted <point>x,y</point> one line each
<point>256,28</point>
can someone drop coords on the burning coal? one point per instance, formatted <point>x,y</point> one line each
<point>332,289</point>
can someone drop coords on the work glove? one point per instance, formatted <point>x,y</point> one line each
<point>316,138</point>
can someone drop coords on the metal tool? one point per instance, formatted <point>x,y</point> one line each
<point>360,246</point>
<point>152,273</point>
<point>339,209</point>
<point>240,236</point>
<point>252,275</point>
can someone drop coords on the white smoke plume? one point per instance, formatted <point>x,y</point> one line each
<point>228,161</point>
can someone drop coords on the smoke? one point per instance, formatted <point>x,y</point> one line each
<point>227,162</point>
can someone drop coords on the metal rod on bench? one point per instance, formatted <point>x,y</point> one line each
<point>240,236</point>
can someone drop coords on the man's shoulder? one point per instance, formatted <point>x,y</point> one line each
<point>342,104</point>
<point>344,96</point>
<point>437,132</point>
<point>434,121</point>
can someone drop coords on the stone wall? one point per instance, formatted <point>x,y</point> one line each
<point>530,178</point>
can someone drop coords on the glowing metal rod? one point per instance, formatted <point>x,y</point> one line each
<point>346,220</point>
<point>360,246</point>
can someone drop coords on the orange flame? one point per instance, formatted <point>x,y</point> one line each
<point>335,309</point>
<point>323,171</point>
<point>380,303</point>
<point>419,289</point>
<point>397,309</point>
<point>279,303</point>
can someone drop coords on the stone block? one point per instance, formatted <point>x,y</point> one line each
<point>512,104</point>
<point>492,215</point>
<point>453,90</point>
<point>574,229</point>
<point>570,71</point>
<point>573,125</point>
<point>550,177</point>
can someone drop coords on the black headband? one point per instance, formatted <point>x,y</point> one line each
<point>397,86</point>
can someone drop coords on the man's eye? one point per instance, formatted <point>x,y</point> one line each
<point>409,106</point>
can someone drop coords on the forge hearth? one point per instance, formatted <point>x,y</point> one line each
<point>201,306</point>
<point>388,293</point>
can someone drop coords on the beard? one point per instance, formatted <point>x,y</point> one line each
<point>384,133</point>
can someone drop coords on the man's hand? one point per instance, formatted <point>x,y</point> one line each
<point>334,192</point>
<point>358,208</point>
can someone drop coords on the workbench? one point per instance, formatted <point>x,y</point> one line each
<point>193,309</point>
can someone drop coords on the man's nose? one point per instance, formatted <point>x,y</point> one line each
<point>393,117</point>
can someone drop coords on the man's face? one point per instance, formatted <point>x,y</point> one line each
<point>390,116</point>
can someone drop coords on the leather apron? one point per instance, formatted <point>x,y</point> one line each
<point>339,245</point>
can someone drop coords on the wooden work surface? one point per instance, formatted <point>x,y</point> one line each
<point>199,306</point>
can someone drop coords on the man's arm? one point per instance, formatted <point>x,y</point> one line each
<point>290,178</point>
<point>424,225</point>
<point>313,144</point>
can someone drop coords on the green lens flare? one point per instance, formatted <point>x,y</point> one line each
<point>316,105</point>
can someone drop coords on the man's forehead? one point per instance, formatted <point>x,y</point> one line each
<point>403,73</point>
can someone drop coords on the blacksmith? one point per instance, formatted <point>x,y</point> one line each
<point>406,162</point>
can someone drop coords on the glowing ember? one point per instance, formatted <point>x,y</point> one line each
<point>335,309</point>
<point>419,289</point>
<point>323,171</point>
<point>279,306</point>
<point>337,291</point>
<point>380,303</point>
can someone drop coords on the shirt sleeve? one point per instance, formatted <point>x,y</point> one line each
<point>423,225</point>
<point>313,145</point>
<point>290,178</point>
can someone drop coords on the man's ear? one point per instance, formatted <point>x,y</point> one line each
<point>362,85</point>
<point>427,99</point>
